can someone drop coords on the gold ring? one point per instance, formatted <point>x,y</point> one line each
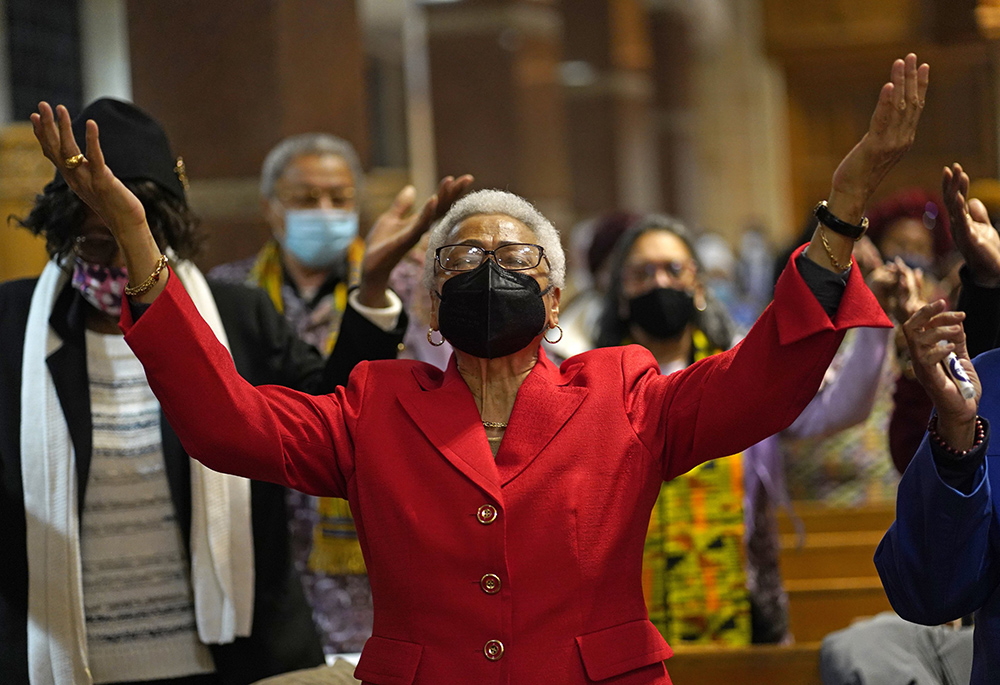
<point>74,161</point>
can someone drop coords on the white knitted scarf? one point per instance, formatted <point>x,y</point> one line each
<point>222,570</point>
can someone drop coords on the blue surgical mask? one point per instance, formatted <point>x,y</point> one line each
<point>317,237</point>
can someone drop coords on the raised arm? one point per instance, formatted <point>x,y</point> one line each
<point>936,561</point>
<point>95,184</point>
<point>729,401</point>
<point>890,133</point>
<point>979,244</point>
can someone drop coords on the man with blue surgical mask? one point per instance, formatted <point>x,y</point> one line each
<point>310,188</point>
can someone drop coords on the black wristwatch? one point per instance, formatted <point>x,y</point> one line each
<point>826,217</point>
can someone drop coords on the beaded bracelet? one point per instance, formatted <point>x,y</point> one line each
<point>951,451</point>
<point>150,281</point>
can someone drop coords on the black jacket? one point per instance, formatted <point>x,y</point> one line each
<point>982,308</point>
<point>266,351</point>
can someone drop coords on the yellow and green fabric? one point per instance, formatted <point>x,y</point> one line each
<point>693,565</point>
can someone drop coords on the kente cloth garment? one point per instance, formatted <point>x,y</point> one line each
<point>852,466</point>
<point>325,545</point>
<point>692,567</point>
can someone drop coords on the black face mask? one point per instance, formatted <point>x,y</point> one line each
<point>491,312</point>
<point>663,312</point>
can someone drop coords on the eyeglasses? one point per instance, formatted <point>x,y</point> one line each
<point>96,249</point>
<point>646,272</point>
<point>309,198</point>
<point>512,257</point>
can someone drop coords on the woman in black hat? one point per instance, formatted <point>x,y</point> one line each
<point>123,559</point>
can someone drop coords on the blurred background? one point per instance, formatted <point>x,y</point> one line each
<point>726,113</point>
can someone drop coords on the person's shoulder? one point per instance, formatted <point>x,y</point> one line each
<point>236,290</point>
<point>988,362</point>
<point>232,272</point>
<point>620,360</point>
<point>611,355</point>
<point>17,292</point>
<point>396,372</point>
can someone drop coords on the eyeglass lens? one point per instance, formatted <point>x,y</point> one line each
<point>648,271</point>
<point>312,197</point>
<point>97,249</point>
<point>513,257</point>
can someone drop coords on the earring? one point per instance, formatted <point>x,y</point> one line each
<point>700,303</point>
<point>546,336</point>
<point>430,332</point>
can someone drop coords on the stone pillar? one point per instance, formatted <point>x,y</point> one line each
<point>229,79</point>
<point>497,103</point>
<point>23,174</point>
<point>609,91</point>
<point>673,54</point>
<point>721,110</point>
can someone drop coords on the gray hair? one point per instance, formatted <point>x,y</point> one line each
<point>508,204</point>
<point>282,154</point>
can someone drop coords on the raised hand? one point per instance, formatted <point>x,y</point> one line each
<point>90,179</point>
<point>932,334</point>
<point>890,133</point>
<point>971,229</point>
<point>397,231</point>
<point>94,183</point>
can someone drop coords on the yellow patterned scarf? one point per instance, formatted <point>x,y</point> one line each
<point>335,548</point>
<point>693,576</point>
<point>268,273</point>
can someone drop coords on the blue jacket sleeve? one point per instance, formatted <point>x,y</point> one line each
<point>938,560</point>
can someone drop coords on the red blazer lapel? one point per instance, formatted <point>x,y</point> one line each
<point>543,406</point>
<point>448,416</point>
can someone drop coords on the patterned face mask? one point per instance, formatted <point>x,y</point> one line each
<point>102,286</point>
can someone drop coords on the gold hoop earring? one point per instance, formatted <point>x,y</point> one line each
<point>546,336</point>
<point>430,332</point>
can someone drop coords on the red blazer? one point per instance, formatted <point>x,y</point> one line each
<point>523,569</point>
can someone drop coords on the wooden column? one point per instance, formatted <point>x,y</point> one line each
<point>674,57</point>
<point>609,92</point>
<point>497,103</point>
<point>229,79</point>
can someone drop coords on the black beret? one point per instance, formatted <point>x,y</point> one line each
<point>135,146</point>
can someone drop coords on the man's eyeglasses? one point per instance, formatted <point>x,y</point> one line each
<point>310,198</point>
<point>96,249</point>
<point>513,257</point>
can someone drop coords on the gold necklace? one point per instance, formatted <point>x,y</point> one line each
<point>494,424</point>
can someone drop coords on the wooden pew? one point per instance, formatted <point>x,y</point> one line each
<point>831,578</point>
<point>821,518</point>
<point>829,555</point>
<point>818,607</point>
<point>796,664</point>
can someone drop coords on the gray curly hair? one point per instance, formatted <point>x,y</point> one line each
<point>508,204</point>
<point>282,154</point>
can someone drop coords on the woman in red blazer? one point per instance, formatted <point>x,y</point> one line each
<point>501,504</point>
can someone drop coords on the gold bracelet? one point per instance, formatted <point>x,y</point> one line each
<point>829,253</point>
<point>150,281</point>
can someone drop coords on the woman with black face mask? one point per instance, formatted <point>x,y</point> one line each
<point>656,299</point>
<point>693,579</point>
<point>502,503</point>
